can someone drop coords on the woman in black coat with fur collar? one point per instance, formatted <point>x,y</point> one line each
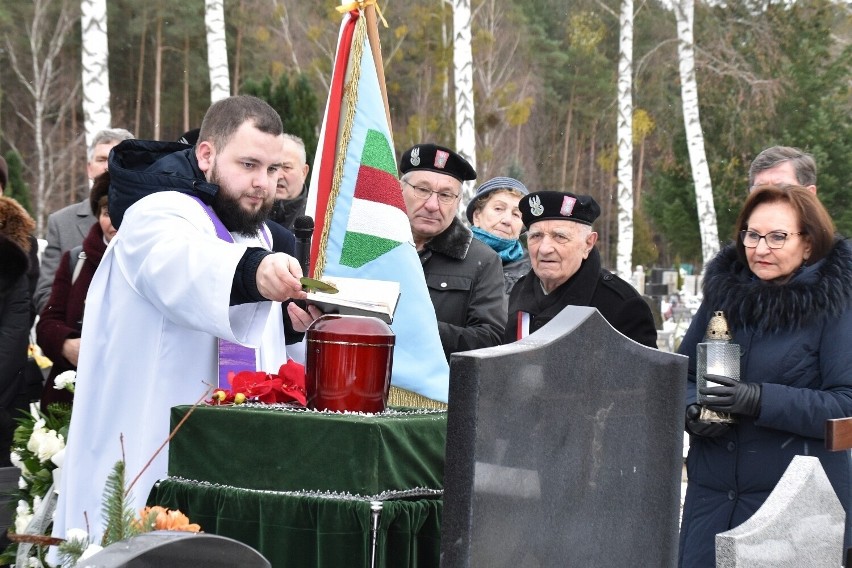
<point>15,228</point>
<point>785,288</point>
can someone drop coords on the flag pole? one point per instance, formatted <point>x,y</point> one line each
<point>376,48</point>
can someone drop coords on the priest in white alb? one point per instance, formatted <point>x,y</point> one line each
<point>191,264</point>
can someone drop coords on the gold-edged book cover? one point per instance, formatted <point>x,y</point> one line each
<point>358,297</point>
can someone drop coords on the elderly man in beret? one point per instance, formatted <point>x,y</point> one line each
<point>464,276</point>
<point>566,271</point>
<point>496,221</point>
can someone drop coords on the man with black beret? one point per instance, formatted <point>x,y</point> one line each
<point>464,275</point>
<point>566,271</point>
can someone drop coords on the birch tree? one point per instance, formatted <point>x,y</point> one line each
<point>463,74</point>
<point>684,12</point>
<point>217,50</point>
<point>37,69</point>
<point>96,95</point>
<point>624,251</point>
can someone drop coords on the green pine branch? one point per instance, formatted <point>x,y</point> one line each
<point>120,518</point>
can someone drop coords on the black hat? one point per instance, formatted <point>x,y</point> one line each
<point>492,185</point>
<point>436,159</point>
<point>558,205</point>
<point>189,137</point>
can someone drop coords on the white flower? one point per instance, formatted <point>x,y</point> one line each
<point>91,550</point>
<point>45,443</point>
<point>36,502</point>
<point>33,562</point>
<point>22,483</point>
<point>39,424</point>
<point>23,516</point>
<point>65,380</point>
<point>16,460</point>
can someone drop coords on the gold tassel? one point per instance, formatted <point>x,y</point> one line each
<point>403,397</point>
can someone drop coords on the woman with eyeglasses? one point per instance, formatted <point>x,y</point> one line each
<point>785,287</point>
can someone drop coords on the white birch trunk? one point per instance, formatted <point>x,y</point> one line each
<point>624,255</point>
<point>684,10</point>
<point>217,50</point>
<point>35,68</point>
<point>463,73</point>
<point>96,111</point>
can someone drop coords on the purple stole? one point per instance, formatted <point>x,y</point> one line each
<point>233,357</point>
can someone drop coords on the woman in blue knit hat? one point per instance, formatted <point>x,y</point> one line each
<point>496,221</point>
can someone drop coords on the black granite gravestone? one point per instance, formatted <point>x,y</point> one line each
<point>564,449</point>
<point>172,549</point>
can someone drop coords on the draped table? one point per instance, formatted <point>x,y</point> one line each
<point>312,489</point>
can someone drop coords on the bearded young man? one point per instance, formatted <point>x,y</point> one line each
<point>190,264</point>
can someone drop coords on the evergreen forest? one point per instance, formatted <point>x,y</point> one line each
<point>544,71</point>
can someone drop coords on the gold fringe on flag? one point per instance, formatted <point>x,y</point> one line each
<point>350,95</point>
<point>403,397</point>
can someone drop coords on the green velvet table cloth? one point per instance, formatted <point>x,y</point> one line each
<point>298,485</point>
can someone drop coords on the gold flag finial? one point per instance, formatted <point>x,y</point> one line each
<point>717,329</point>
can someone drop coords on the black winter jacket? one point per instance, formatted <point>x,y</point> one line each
<point>617,301</point>
<point>285,211</point>
<point>141,167</point>
<point>465,280</point>
<point>795,341</point>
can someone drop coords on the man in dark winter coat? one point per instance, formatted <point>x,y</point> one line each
<point>291,195</point>
<point>464,275</point>
<point>566,271</point>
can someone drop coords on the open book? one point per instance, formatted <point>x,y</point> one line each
<point>358,297</point>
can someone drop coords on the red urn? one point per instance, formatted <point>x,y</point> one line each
<point>349,360</point>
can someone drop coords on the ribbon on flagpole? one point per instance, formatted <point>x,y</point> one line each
<point>360,5</point>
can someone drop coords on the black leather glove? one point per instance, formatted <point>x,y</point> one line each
<point>703,429</point>
<point>735,397</point>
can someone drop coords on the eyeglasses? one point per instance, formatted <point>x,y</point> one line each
<point>444,197</point>
<point>774,239</point>
<point>558,238</point>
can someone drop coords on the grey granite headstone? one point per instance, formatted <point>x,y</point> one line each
<point>800,525</point>
<point>564,449</point>
<point>173,549</point>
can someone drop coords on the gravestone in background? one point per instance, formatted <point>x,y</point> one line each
<point>800,525</point>
<point>564,449</point>
<point>691,284</point>
<point>172,549</point>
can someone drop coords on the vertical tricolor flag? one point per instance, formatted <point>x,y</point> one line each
<point>361,227</point>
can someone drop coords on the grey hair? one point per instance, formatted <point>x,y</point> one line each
<point>301,145</point>
<point>106,136</point>
<point>803,164</point>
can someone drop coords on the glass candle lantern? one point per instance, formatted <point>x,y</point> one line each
<point>716,355</point>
